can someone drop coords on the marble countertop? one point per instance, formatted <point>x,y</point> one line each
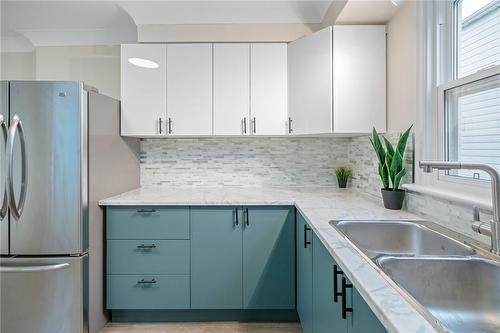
<point>319,206</point>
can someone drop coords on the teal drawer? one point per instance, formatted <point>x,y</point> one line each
<point>147,256</point>
<point>147,223</point>
<point>148,292</point>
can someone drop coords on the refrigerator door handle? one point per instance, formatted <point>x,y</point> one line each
<point>33,269</point>
<point>16,209</point>
<point>5,203</point>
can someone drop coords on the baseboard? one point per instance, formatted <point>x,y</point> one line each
<point>202,315</point>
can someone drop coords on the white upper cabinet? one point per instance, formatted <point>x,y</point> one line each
<point>310,83</point>
<point>359,79</point>
<point>231,89</point>
<point>268,88</point>
<point>143,86</point>
<point>189,89</point>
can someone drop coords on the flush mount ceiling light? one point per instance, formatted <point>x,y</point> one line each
<point>144,63</point>
<point>396,3</point>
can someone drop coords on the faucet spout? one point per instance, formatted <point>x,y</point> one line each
<point>428,166</point>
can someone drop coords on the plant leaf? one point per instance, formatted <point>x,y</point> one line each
<point>395,170</point>
<point>388,146</point>
<point>403,138</point>
<point>384,175</point>
<point>377,146</point>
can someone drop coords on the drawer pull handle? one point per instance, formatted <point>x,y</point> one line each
<point>146,211</point>
<point>146,247</point>
<point>146,282</point>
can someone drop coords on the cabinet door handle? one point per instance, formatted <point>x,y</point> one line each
<point>306,242</point>
<point>146,282</point>
<point>169,125</point>
<point>146,211</point>
<point>254,125</point>
<point>247,221</point>
<point>336,293</point>
<point>290,129</point>
<point>146,247</point>
<point>245,125</point>
<point>160,125</point>
<point>235,217</point>
<point>345,309</point>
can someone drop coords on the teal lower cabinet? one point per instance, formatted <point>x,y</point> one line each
<point>216,255</point>
<point>269,258</point>
<point>327,305</point>
<point>242,258</point>
<point>304,274</point>
<point>326,300</point>
<point>200,263</point>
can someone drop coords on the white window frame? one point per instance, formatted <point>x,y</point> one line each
<point>436,75</point>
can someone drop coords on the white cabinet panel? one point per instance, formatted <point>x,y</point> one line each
<point>143,99</point>
<point>189,89</point>
<point>359,93</point>
<point>231,88</point>
<point>268,88</point>
<point>310,83</point>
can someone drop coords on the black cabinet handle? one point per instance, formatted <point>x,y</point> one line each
<point>146,211</point>
<point>146,247</point>
<point>235,212</point>
<point>336,292</point>
<point>146,282</point>
<point>345,286</point>
<point>247,220</point>
<point>306,242</point>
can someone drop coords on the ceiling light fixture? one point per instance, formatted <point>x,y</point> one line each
<point>396,3</point>
<point>144,63</point>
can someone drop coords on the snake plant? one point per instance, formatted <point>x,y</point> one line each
<point>390,159</point>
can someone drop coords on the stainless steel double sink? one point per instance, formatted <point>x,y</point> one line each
<point>455,284</point>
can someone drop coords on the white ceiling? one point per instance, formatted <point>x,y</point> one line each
<point>225,12</point>
<point>368,11</point>
<point>28,24</point>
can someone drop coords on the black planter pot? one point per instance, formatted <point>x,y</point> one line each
<point>342,182</point>
<point>393,199</point>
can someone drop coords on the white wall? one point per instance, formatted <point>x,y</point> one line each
<point>17,66</point>
<point>98,66</point>
<point>402,68</point>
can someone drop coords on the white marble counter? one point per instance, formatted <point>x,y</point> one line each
<point>318,205</point>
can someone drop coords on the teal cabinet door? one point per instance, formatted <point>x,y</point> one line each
<point>304,275</point>
<point>216,254</point>
<point>362,319</point>
<point>327,309</point>
<point>269,258</point>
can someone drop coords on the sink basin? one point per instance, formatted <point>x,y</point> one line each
<point>406,238</point>
<point>463,294</point>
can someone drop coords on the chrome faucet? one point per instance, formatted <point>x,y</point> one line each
<point>494,228</point>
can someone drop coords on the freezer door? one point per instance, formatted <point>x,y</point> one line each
<point>4,120</point>
<point>43,295</point>
<point>54,118</point>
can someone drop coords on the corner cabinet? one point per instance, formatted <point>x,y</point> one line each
<point>326,299</point>
<point>337,81</point>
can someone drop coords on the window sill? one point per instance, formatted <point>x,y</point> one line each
<point>457,198</point>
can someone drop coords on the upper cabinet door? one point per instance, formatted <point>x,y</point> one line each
<point>268,88</point>
<point>231,89</point>
<point>189,89</point>
<point>310,83</point>
<point>359,58</point>
<point>143,86</point>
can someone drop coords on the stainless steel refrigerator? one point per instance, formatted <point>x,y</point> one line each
<point>46,171</point>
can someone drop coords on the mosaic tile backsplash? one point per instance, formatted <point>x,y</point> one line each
<point>242,161</point>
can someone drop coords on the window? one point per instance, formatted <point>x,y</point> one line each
<point>470,101</point>
<point>477,30</point>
